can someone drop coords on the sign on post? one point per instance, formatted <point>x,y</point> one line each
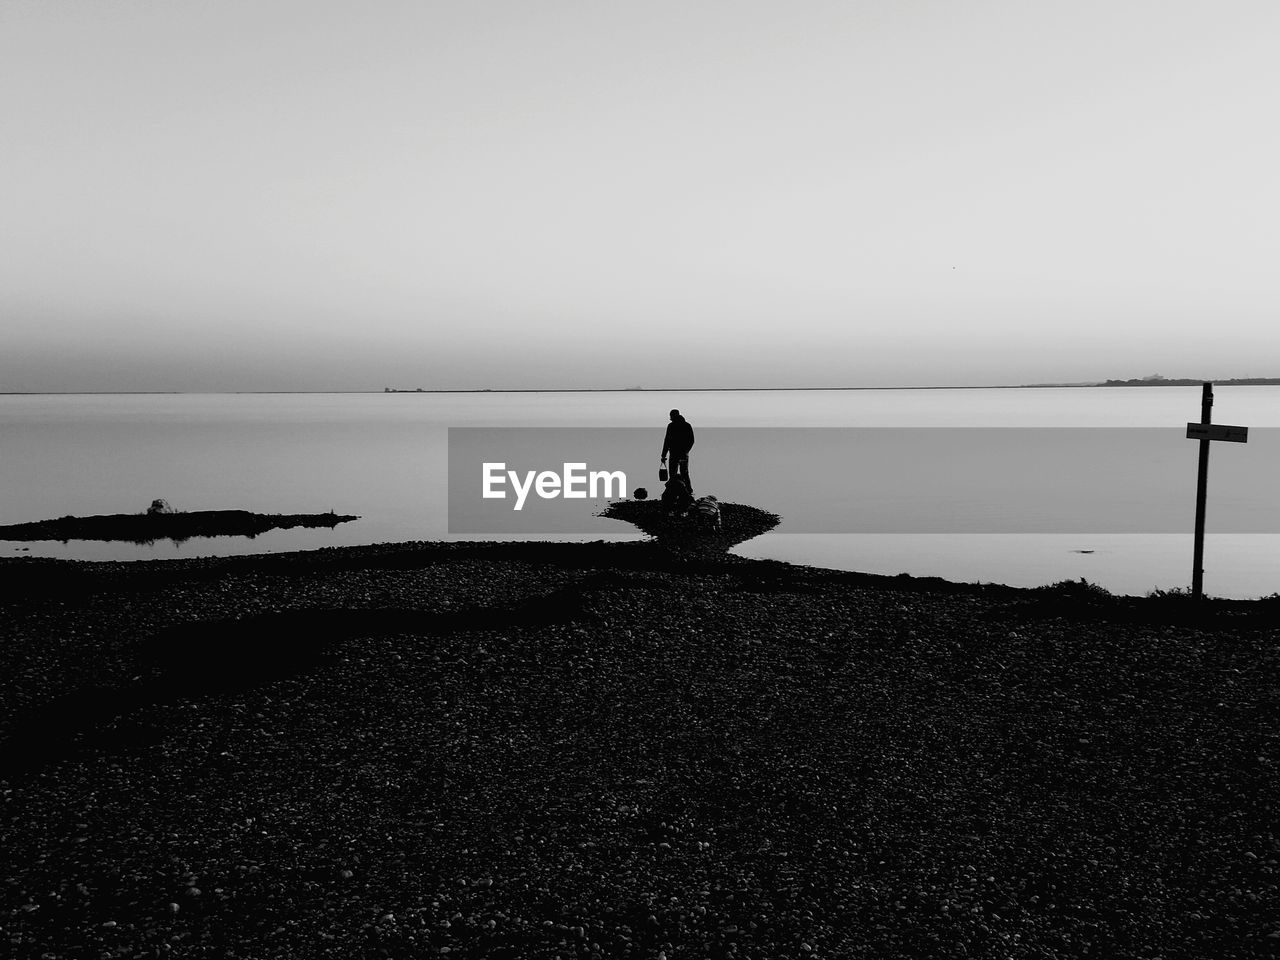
<point>1217,431</point>
<point>1204,431</point>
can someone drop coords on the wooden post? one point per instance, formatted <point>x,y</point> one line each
<point>1202,485</point>
<point>1206,431</point>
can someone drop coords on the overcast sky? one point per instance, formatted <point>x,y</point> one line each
<point>319,195</point>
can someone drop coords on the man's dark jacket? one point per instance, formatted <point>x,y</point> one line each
<point>679,439</point>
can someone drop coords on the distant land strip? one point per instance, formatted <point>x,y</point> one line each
<point>1136,382</point>
<point>1186,382</point>
<point>998,386</point>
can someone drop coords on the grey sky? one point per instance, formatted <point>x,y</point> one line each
<point>311,195</point>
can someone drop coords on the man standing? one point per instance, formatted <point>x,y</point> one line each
<point>678,442</point>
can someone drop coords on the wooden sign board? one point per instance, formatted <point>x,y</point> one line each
<point>1217,431</point>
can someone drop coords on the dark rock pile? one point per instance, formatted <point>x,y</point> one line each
<point>477,753</point>
<point>738,523</point>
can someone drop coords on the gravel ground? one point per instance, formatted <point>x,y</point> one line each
<point>624,750</point>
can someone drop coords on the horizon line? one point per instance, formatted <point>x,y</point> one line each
<point>992,386</point>
<point>470,390</point>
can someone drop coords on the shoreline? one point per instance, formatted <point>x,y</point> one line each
<point>530,749</point>
<point>30,571</point>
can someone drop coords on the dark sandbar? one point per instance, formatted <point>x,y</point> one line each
<point>149,527</point>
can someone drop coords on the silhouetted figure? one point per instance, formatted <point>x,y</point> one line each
<point>677,498</point>
<point>707,511</point>
<point>678,442</point>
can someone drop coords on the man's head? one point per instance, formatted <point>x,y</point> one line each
<point>675,414</point>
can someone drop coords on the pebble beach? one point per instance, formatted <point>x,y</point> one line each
<point>648,749</point>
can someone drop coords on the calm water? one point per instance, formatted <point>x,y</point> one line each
<point>383,456</point>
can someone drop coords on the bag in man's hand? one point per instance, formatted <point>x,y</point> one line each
<point>662,473</point>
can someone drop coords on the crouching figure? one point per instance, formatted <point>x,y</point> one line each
<point>676,498</point>
<point>707,511</point>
